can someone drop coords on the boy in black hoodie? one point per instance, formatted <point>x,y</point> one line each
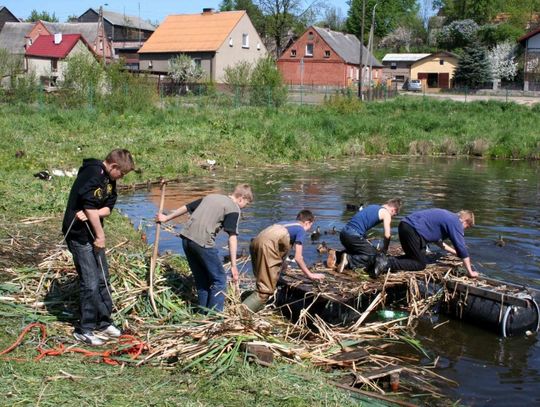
<point>91,199</point>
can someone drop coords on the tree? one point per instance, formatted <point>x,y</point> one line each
<point>401,37</point>
<point>481,11</point>
<point>333,18</point>
<point>473,67</point>
<point>282,16</point>
<point>253,11</point>
<point>457,34</point>
<point>501,59</point>
<point>184,70</point>
<point>492,34</point>
<point>42,15</point>
<point>389,15</point>
<point>267,84</point>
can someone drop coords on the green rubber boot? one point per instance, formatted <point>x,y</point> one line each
<point>254,303</point>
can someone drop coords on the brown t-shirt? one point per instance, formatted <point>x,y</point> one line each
<point>208,216</point>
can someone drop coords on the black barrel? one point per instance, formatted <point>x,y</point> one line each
<point>507,314</point>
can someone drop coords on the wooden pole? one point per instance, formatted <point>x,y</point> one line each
<point>153,260</point>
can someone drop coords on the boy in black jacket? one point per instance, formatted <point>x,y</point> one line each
<point>91,199</point>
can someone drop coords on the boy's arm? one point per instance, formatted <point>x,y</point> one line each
<point>103,213</point>
<point>95,222</point>
<point>387,225</point>
<point>233,247</point>
<point>299,258</point>
<point>447,247</point>
<point>160,217</point>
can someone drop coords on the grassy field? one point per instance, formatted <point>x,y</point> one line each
<point>174,141</point>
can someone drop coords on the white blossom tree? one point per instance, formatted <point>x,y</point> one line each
<point>501,57</point>
<point>184,70</point>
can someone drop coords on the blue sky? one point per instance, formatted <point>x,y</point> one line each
<point>155,10</point>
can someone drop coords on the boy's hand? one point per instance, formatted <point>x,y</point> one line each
<point>99,243</point>
<point>160,218</point>
<point>317,276</point>
<point>234,272</point>
<point>81,216</point>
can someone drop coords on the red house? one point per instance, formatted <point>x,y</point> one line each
<point>323,57</point>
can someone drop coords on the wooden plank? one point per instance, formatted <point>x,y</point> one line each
<point>382,372</point>
<point>351,356</point>
<point>260,352</point>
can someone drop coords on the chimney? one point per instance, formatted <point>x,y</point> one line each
<point>208,10</point>
<point>57,38</point>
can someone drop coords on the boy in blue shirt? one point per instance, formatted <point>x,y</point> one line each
<point>268,252</point>
<point>359,252</point>
<point>429,226</point>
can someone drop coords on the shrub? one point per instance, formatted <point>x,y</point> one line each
<point>82,79</point>
<point>267,84</point>
<point>238,77</point>
<point>344,104</point>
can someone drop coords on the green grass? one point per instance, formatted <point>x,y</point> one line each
<point>172,142</point>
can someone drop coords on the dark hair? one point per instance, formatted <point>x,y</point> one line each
<point>305,216</point>
<point>122,158</point>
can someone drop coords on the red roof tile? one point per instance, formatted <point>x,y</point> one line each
<point>44,46</point>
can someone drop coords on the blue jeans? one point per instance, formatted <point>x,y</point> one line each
<point>93,271</point>
<point>209,275</point>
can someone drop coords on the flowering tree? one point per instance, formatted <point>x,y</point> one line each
<point>501,57</point>
<point>457,34</point>
<point>401,37</point>
<point>183,69</point>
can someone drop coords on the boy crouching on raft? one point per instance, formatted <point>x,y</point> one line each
<point>268,252</point>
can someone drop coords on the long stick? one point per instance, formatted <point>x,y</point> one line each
<point>153,260</point>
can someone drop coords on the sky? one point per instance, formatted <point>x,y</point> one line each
<point>155,10</point>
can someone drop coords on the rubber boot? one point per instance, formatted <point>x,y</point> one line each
<point>254,303</point>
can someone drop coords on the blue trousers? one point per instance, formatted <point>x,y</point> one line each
<point>93,271</point>
<point>209,275</point>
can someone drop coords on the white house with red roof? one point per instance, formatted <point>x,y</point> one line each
<point>47,56</point>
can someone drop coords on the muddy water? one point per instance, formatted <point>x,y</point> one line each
<point>505,196</point>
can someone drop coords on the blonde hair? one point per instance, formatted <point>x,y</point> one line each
<point>395,203</point>
<point>122,158</point>
<point>467,216</point>
<point>243,191</point>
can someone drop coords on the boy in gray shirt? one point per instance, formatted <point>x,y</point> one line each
<point>209,216</point>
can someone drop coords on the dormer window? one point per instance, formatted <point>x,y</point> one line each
<point>309,50</point>
<point>293,52</point>
<point>327,54</point>
<point>245,40</point>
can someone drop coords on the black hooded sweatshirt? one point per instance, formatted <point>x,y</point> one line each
<point>93,189</point>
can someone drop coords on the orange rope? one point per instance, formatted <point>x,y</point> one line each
<point>127,344</point>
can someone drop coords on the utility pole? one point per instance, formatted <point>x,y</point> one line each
<point>360,73</point>
<point>102,29</point>
<point>371,39</point>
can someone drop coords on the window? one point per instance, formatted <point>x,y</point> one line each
<point>309,50</point>
<point>150,64</point>
<point>400,78</point>
<point>327,54</point>
<point>245,40</point>
<point>310,36</point>
<point>393,65</point>
<point>54,65</point>
<point>230,42</point>
<point>441,61</point>
<point>293,52</point>
<point>197,62</point>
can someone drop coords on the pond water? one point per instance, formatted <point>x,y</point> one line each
<point>505,196</point>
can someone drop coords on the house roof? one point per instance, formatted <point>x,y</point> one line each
<point>403,57</point>
<point>528,35</point>
<point>347,46</point>
<point>441,53</point>
<point>124,20</point>
<point>9,11</point>
<point>13,36</point>
<point>192,32</point>
<point>89,31</point>
<point>44,46</point>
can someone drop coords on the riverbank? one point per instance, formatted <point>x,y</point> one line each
<point>176,142</point>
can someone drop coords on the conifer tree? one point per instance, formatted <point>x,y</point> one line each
<point>473,68</point>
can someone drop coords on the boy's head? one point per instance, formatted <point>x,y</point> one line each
<point>118,163</point>
<point>394,205</point>
<point>242,195</point>
<point>306,218</point>
<point>466,218</point>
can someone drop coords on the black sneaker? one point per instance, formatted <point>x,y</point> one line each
<point>379,266</point>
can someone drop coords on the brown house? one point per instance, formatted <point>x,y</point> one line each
<point>6,16</point>
<point>323,57</point>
